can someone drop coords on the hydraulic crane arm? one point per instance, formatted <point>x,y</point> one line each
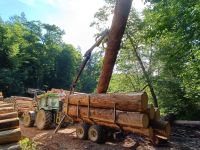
<point>87,56</point>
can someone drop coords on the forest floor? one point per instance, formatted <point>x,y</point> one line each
<point>182,138</point>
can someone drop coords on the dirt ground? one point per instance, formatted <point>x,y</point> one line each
<point>182,138</point>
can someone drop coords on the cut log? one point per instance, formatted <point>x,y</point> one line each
<point>8,115</point>
<point>162,129</point>
<point>6,110</point>
<point>125,102</point>
<point>6,105</point>
<point>132,119</point>
<point>121,12</point>
<point>10,136</point>
<point>7,124</point>
<point>157,114</point>
<point>187,122</point>
<point>151,111</point>
<point>22,98</point>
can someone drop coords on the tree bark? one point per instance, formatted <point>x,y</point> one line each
<point>9,124</point>
<point>132,119</point>
<point>125,102</point>
<point>6,105</point>
<point>6,110</point>
<point>10,136</point>
<point>121,12</point>
<point>148,80</point>
<point>8,115</point>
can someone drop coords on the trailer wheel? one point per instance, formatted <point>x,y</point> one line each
<point>96,134</point>
<point>82,131</point>
<point>27,120</point>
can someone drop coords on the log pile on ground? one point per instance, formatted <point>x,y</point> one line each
<point>21,104</point>
<point>1,96</point>
<point>128,112</point>
<point>9,124</point>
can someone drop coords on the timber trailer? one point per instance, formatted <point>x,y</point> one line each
<point>101,114</point>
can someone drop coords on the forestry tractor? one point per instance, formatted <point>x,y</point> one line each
<point>47,111</point>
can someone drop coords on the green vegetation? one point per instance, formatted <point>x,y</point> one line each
<point>166,37</point>
<point>33,55</point>
<point>27,144</point>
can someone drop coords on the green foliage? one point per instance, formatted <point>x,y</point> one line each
<point>27,144</point>
<point>91,73</point>
<point>33,55</point>
<point>167,39</point>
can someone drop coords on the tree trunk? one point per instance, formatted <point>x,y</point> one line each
<point>10,136</point>
<point>121,12</point>
<point>8,115</point>
<point>155,101</point>
<point>6,110</point>
<point>132,119</point>
<point>6,105</point>
<point>125,102</point>
<point>9,124</point>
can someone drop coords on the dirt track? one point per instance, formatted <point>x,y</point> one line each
<point>182,139</point>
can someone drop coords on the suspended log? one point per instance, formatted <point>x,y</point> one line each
<point>10,136</point>
<point>132,119</point>
<point>162,129</point>
<point>6,105</point>
<point>121,12</point>
<point>151,111</point>
<point>157,114</point>
<point>125,102</point>
<point>8,115</point>
<point>6,110</point>
<point>9,124</point>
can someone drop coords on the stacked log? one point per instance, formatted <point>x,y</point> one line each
<point>21,104</point>
<point>1,96</point>
<point>9,124</point>
<point>128,112</point>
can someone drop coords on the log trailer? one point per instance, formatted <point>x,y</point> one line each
<point>100,114</point>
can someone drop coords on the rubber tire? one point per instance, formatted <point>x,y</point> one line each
<point>43,119</point>
<point>96,134</point>
<point>82,131</point>
<point>27,120</point>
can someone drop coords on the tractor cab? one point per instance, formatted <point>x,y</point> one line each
<point>48,102</point>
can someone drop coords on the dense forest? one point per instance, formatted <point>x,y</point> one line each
<point>160,53</point>
<point>33,55</point>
